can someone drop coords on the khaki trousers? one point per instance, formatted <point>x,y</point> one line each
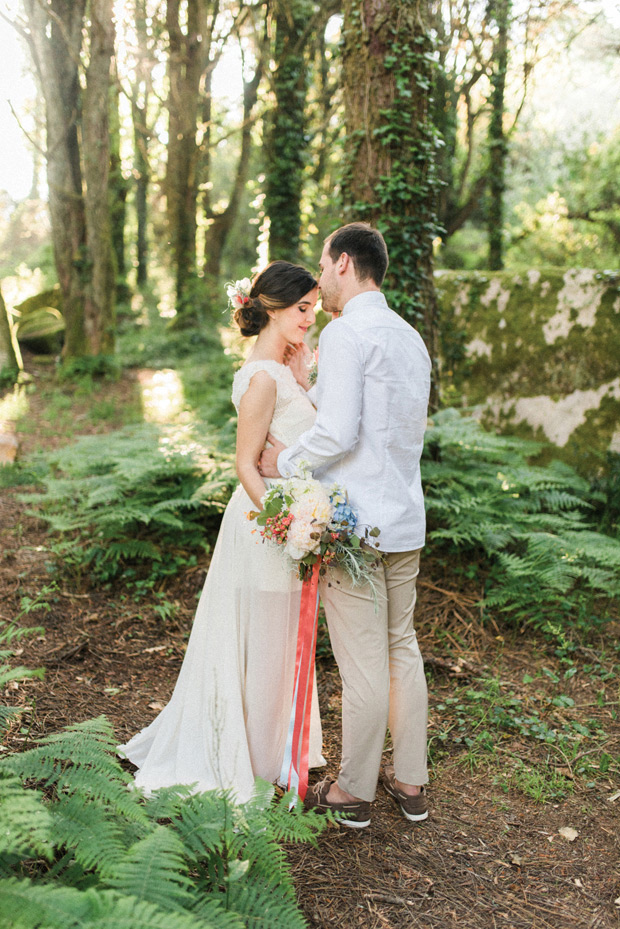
<point>382,671</point>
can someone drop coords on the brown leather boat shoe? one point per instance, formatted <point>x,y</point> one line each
<point>413,808</point>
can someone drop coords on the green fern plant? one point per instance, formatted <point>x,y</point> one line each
<point>133,502</point>
<point>532,524</point>
<point>10,633</point>
<point>79,847</point>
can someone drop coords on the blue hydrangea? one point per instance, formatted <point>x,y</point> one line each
<point>343,513</point>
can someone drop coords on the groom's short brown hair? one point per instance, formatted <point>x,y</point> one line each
<point>365,246</point>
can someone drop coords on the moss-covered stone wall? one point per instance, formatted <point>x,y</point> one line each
<point>539,354</point>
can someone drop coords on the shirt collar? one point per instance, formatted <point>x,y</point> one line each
<point>369,298</point>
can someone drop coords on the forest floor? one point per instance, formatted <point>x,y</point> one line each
<point>524,735</point>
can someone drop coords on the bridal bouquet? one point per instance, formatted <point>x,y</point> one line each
<point>312,523</point>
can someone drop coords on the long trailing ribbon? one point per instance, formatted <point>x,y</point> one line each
<point>296,754</point>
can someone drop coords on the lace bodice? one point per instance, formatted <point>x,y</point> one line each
<point>293,413</point>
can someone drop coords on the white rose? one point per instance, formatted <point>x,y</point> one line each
<point>299,539</point>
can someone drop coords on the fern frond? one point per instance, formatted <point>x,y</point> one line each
<point>25,823</point>
<point>81,759</point>
<point>90,832</point>
<point>19,673</point>
<point>261,905</point>
<point>154,869</point>
<point>483,495</point>
<point>200,822</point>
<point>28,905</point>
<point>132,485</point>
<point>211,907</point>
<point>295,825</point>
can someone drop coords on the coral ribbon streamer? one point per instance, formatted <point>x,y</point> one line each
<point>296,755</point>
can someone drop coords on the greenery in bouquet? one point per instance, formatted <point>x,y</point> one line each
<point>313,367</point>
<point>311,523</point>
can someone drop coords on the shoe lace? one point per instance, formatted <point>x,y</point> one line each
<point>318,787</point>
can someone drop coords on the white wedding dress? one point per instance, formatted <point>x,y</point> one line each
<point>227,720</point>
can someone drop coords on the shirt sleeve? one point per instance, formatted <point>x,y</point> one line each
<point>339,403</point>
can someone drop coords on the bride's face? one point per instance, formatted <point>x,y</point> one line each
<point>293,322</point>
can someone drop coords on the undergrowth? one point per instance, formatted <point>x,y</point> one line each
<point>78,847</point>
<point>533,526</point>
<point>138,504</point>
<point>10,635</point>
<point>516,729</point>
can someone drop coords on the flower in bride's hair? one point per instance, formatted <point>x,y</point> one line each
<point>238,293</point>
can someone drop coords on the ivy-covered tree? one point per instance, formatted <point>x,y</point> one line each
<point>389,176</point>
<point>286,144</point>
<point>299,33</point>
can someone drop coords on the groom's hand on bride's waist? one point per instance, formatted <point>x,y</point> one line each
<point>268,461</point>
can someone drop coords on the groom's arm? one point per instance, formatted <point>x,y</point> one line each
<point>339,402</point>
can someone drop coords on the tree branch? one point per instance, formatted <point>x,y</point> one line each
<point>34,144</point>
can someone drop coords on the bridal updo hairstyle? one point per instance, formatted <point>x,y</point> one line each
<point>279,286</point>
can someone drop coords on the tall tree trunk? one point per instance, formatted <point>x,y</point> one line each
<point>390,178</point>
<point>139,111</point>
<point>286,137</point>
<point>119,188</point>
<point>444,115</point>
<point>100,292</point>
<point>80,214</point>
<point>188,59</point>
<point>141,169</point>
<point>499,11</point>
<point>56,41</point>
<point>10,355</point>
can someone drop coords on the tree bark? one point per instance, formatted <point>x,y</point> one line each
<point>287,141</point>
<point>100,291</point>
<point>188,59</point>
<point>142,175</point>
<point>390,176</point>
<point>56,41</point>
<point>119,188</point>
<point>141,136</point>
<point>499,11</point>
<point>78,179</point>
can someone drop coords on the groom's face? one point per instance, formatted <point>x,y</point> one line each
<point>328,282</point>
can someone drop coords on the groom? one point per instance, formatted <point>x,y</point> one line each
<point>372,397</point>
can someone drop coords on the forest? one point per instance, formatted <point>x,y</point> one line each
<point>163,151</point>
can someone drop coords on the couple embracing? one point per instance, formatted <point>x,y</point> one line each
<point>362,426</point>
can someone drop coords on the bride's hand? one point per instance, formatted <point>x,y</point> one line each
<point>298,358</point>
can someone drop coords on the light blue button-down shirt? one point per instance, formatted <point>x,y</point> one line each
<point>372,400</point>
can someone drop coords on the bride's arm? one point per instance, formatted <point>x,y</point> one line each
<point>255,415</point>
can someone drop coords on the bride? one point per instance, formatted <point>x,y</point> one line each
<point>227,720</point>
